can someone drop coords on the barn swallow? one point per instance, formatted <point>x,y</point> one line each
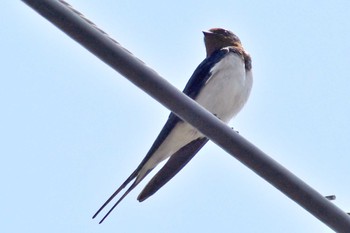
<point>221,84</point>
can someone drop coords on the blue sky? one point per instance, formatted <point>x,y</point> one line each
<point>72,129</point>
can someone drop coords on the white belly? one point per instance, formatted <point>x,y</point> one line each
<point>226,92</point>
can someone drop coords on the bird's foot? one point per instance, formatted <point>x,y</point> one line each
<point>216,116</point>
<point>330,197</point>
<point>235,130</point>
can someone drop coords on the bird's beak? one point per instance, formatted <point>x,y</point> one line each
<point>207,32</point>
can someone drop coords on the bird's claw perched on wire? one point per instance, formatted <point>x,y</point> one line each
<point>330,197</point>
<point>217,116</point>
<point>235,130</point>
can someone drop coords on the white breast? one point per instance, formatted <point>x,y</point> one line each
<point>226,92</point>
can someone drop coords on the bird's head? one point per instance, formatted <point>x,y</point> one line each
<point>218,38</point>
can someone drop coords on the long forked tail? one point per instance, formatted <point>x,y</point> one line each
<point>120,199</point>
<point>126,182</point>
<point>136,182</point>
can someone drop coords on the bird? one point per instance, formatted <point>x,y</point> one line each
<point>222,84</point>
